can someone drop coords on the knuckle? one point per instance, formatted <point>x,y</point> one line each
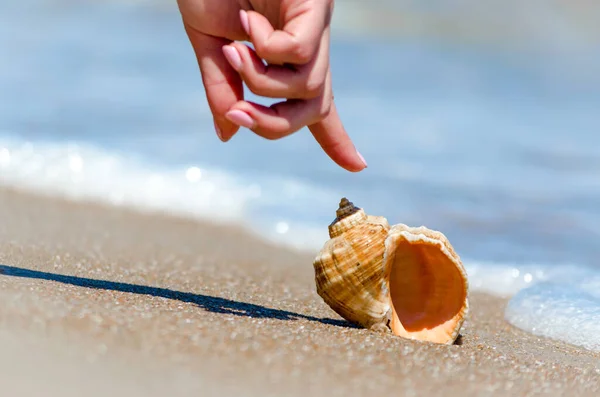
<point>277,130</point>
<point>270,135</point>
<point>313,88</point>
<point>324,110</point>
<point>332,146</point>
<point>297,52</point>
<point>259,86</point>
<point>252,85</point>
<point>302,53</point>
<point>261,49</point>
<point>268,132</point>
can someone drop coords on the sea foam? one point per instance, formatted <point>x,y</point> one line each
<point>567,312</point>
<point>79,171</point>
<point>561,302</point>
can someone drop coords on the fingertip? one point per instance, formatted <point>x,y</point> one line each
<point>240,118</point>
<point>218,131</point>
<point>353,162</point>
<point>362,159</point>
<point>225,129</point>
<point>233,57</point>
<point>358,168</point>
<point>346,156</point>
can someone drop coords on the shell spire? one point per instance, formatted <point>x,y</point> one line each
<point>347,215</point>
<point>346,208</point>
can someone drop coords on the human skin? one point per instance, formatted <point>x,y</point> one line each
<point>290,60</point>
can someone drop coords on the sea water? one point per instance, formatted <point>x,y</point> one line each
<point>500,150</point>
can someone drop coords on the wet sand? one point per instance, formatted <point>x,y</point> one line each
<point>105,301</point>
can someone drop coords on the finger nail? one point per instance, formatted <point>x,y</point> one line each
<point>362,158</point>
<point>245,22</point>
<point>218,131</point>
<point>240,118</point>
<point>233,57</point>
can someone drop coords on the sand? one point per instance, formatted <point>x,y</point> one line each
<point>100,301</point>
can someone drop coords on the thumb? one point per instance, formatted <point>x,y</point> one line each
<point>222,83</point>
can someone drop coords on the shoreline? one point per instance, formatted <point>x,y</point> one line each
<point>142,303</point>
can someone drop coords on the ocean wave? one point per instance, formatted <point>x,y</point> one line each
<point>78,171</point>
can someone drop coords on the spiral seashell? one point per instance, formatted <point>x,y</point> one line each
<point>349,270</point>
<point>407,280</point>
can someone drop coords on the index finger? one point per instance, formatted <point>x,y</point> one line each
<point>334,140</point>
<point>299,39</point>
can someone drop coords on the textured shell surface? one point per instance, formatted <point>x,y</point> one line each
<point>349,271</point>
<point>428,284</point>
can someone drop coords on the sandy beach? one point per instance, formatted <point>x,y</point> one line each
<point>106,301</point>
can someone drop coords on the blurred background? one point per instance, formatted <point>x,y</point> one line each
<point>476,118</point>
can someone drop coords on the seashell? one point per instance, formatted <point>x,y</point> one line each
<point>428,284</point>
<point>349,270</point>
<point>407,280</point>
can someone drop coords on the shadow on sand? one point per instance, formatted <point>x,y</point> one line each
<point>206,302</point>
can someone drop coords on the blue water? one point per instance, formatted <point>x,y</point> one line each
<point>499,149</point>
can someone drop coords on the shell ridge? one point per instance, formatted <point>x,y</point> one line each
<point>341,287</point>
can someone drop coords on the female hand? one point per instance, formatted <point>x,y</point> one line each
<point>290,60</point>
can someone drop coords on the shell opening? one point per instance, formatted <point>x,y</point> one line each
<point>427,290</point>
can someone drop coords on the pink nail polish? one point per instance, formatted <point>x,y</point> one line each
<point>218,131</point>
<point>233,57</point>
<point>245,22</point>
<point>240,118</point>
<point>362,158</point>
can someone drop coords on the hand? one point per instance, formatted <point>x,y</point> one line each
<point>290,60</point>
